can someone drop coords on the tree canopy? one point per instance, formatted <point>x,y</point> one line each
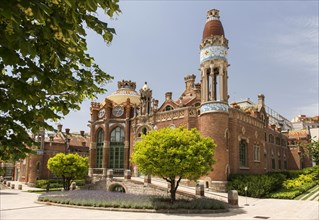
<point>173,154</point>
<point>46,70</point>
<point>313,149</point>
<point>69,167</point>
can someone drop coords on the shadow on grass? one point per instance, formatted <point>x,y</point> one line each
<point>8,193</point>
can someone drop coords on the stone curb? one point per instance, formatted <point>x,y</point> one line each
<point>171,211</point>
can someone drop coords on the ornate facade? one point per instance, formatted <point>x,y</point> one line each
<point>249,139</point>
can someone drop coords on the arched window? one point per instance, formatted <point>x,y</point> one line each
<point>144,131</point>
<point>116,155</point>
<point>273,161</point>
<point>168,108</point>
<point>243,153</point>
<point>99,147</point>
<point>38,166</point>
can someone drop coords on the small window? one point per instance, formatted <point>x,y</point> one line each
<point>256,153</point>
<point>243,153</point>
<point>265,137</point>
<point>273,161</point>
<point>271,138</point>
<point>38,166</point>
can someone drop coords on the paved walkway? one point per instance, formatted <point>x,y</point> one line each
<point>17,204</point>
<point>310,195</point>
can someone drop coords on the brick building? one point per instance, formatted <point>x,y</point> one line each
<point>34,167</point>
<point>250,138</point>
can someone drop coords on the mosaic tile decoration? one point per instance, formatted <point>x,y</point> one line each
<point>213,52</point>
<point>210,107</point>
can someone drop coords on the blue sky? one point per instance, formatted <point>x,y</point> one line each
<point>273,49</point>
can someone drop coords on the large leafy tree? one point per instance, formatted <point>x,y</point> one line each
<point>69,167</point>
<point>173,154</point>
<point>45,68</point>
<point>313,149</point>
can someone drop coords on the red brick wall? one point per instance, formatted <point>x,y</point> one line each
<point>214,125</point>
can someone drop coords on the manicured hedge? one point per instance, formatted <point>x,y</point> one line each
<point>258,185</point>
<point>55,183</point>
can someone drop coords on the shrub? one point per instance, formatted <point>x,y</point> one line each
<point>292,193</point>
<point>295,183</point>
<point>55,183</point>
<point>41,183</point>
<point>79,182</point>
<point>258,185</point>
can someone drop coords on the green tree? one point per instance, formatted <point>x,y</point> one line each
<point>46,70</point>
<point>69,167</point>
<point>173,154</point>
<point>313,149</point>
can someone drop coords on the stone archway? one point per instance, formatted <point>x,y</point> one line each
<point>117,187</point>
<point>208,182</point>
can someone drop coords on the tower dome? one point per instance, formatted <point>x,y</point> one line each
<point>213,25</point>
<point>126,89</point>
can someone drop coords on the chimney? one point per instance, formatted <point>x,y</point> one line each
<point>261,100</point>
<point>82,133</point>
<point>155,104</point>
<point>168,96</point>
<point>190,81</point>
<point>67,130</point>
<point>59,128</point>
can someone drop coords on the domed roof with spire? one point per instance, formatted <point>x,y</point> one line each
<point>126,89</point>
<point>213,25</point>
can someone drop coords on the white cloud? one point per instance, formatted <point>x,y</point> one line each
<point>309,110</point>
<point>295,43</point>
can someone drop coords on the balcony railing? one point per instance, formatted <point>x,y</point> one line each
<point>103,171</point>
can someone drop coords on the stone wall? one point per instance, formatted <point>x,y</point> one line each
<point>133,187</point>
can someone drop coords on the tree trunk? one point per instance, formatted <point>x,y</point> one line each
<point>173,190</point>
<point>68,183</point>
<point>63,181</point>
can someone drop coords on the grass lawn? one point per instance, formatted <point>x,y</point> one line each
<point>99,198</point>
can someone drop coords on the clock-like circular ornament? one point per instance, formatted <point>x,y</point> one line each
<point>101,113</point>
<point>118,111</point>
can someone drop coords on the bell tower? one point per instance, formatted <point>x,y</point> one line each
<point>213,60</point>
<point>214,116</point>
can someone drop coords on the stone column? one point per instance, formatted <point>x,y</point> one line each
<point>199,189</point>
<point>204,85</point>
<point>213,83</point>
<point>147,179</point>
<point>226,85</point>
<point>223,78</point>
<point>90,172</point>
<point>109,174</point>
<point>92,161</point>
<point>106,146</point>
<point>233,197</point>
<point>127,174</point>
<point>127,144</point>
